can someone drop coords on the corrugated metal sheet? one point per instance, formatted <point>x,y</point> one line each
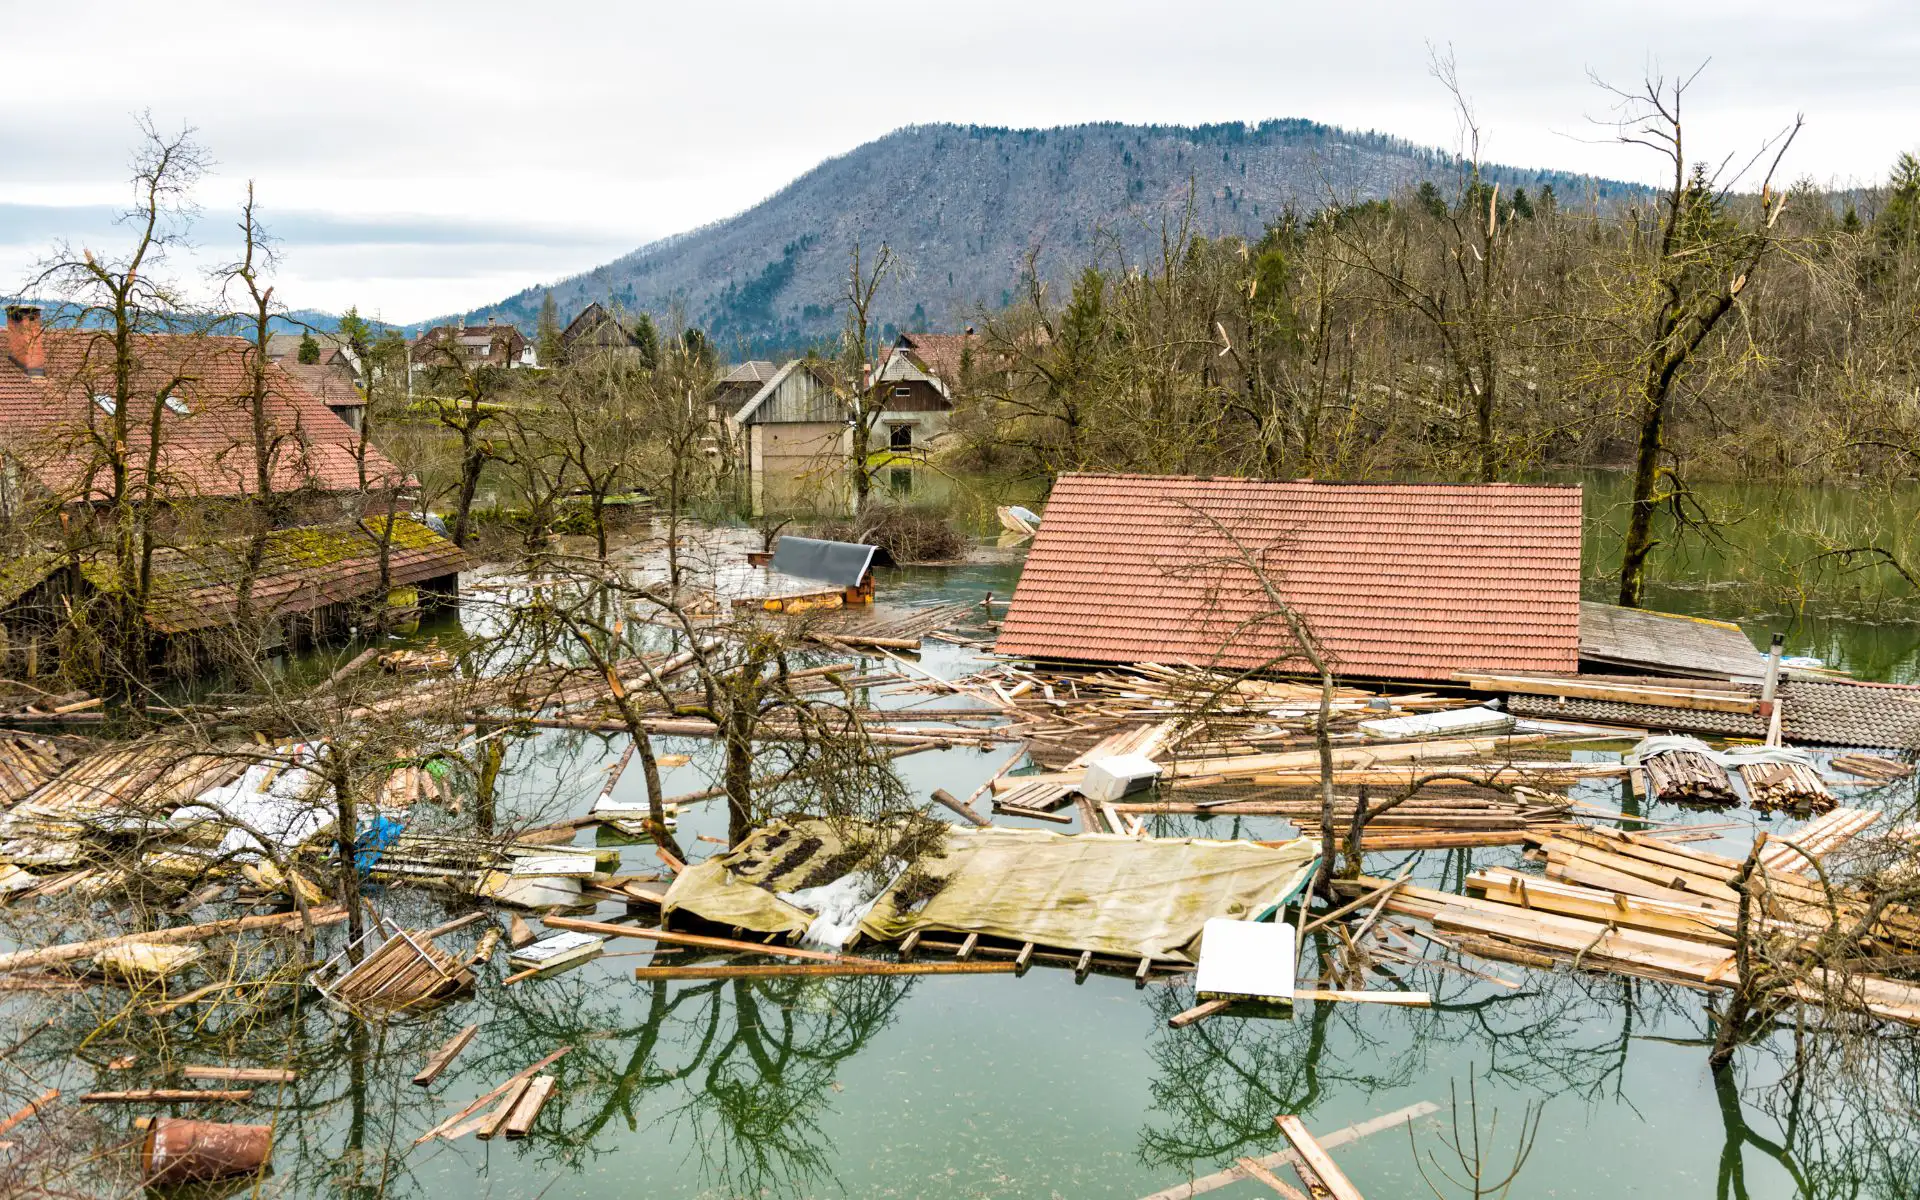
<point>1397,581</point>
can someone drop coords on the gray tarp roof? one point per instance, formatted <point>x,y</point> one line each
<point>843,564</point>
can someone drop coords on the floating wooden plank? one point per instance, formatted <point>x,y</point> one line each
<point>526,1110</point>
<point>1403,999</point>
<point>167,1096</point>
<point>74,951</point>
<point>1198,1012</point>
<point>1254,1171</point>
<point>497,1119</point>
<point>474,1107</point>
<point>843,966</point>
<point>444,1056</point>
<point>244,1074</point>
<point>1329,1141</point>
<point>1317,1160</point>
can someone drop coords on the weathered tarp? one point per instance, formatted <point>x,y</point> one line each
<point>1113,895</point>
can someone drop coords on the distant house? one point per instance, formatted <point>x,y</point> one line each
<point>334,379</point>
<point>1396,581</point>
<point>794,435</point>
<point>491,345</point>
<point>597,331</point>
<point>948,357</point>
<point>739,385</point>
<point>918,405</point>
<point>56,420</point>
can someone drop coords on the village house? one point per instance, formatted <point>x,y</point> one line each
<point>794,436</point>
<point>334,380</point>
<point>595,331</point>
<point>739,385</point>
<point>491,345</point>
<point>56,402</point>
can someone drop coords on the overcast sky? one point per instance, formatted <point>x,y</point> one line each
<point>418,159</point>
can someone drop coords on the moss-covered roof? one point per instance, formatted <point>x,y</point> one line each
<point>301,569</point>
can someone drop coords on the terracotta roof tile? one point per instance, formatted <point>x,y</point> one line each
<point>53,426</point>
<point>1398,581</point>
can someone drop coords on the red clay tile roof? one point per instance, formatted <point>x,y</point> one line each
<point>1398,581</point>
<point>940,353</point>
<point>54,428</point>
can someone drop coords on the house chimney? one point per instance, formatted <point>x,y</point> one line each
<point>25,344</point>
<point>969,331</point>
<point>489,322</point>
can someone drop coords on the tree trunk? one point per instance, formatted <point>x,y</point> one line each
<point>656,799</point>
<point>739,776</point>
<point>1646,478</point>
<point>346,825</point>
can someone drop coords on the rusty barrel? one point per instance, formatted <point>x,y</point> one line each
<point>178,1150</point>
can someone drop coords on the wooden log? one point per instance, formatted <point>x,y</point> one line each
<point>444,1056</point>
<point>698,941</point>
<point>73,951</point>
<point>167,1096</point>
<point>844,966</point>
<point>1316,1159</point>
<point>526,1110</point>
<point>496,1093</point>
<point>945,799</point>
<point>38,1104</point>
<point>1596,688</point>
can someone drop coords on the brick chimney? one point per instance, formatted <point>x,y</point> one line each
<point>25,344</point>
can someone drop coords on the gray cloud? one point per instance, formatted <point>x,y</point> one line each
<point>401,123</point>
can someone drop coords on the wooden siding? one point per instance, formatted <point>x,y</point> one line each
<point>801,398</point>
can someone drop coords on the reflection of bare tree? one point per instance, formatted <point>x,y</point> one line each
<point>751,1063</point>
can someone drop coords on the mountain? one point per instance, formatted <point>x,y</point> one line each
<point>964,205</point>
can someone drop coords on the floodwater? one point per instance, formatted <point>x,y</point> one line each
<point>1040,1087</point>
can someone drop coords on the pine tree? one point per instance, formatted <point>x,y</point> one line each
<point>309,352</point>
<point>547,333</point>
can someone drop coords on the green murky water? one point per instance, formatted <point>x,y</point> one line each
<point>1036,1086</point>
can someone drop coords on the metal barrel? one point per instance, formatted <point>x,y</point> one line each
<point>178,1150</point>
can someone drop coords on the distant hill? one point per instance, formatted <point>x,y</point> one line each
<point>964,205</point>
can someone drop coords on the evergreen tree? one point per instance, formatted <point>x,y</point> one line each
<point>646,339</point>
<point>309,352</point>
<point>1522,207</point>
<point>547,334</point>
<point>1430,199</point>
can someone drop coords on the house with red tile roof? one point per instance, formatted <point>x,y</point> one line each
<point>57,401</point>
<point>491,345</point>
<point>1396,581</point>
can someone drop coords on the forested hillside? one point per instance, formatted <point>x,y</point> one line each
<point>965,206</point>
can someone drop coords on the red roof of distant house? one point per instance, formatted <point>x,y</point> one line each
<point>1397,581</point>
<point>941,353</point>
<point>55,428</point>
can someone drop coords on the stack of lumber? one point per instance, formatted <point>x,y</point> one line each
<point>1786,786</point>
<point>408,969</point>
<point>887,629</point>
<point>1688,776</point>
<point>1428,810</point>
<point>1872,766</point>
<point>1664,922</point>
<point>1820,838</point>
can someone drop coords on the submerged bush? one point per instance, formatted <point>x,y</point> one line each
<point>907,535</point>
